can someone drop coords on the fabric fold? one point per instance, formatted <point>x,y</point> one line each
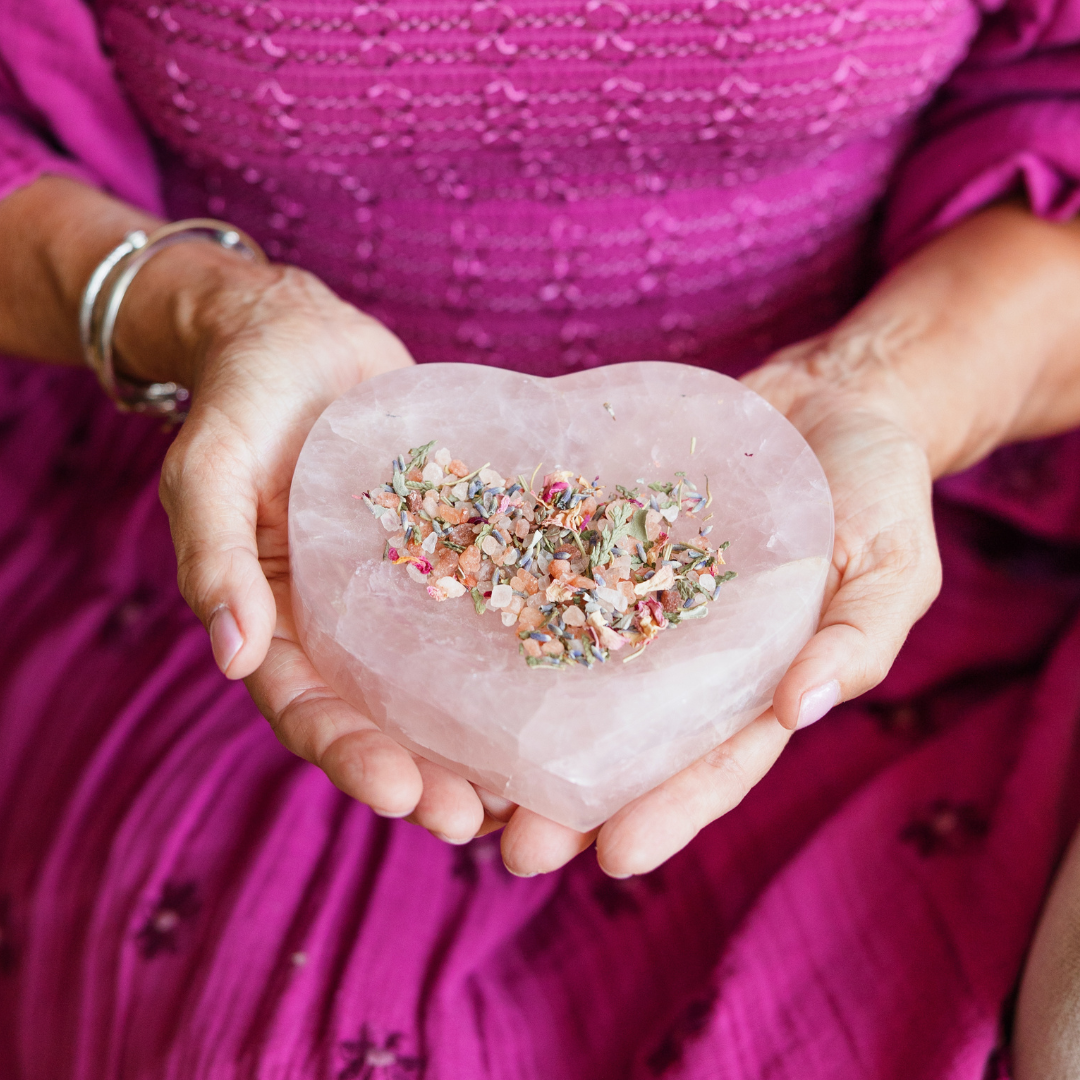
<point>1008,121</point>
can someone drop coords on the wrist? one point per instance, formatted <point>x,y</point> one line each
<point>968,345</point>
<point>180,304</point>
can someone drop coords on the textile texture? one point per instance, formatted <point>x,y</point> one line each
<point>546,185</point>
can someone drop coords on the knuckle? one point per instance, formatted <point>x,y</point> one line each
<point>877,667</point>
<point>304,726</point>
<point>731,774</point>
<point>169,483</point>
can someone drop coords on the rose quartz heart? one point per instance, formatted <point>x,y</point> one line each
<point>573,744</point>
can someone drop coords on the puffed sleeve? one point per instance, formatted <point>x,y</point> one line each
<point>1008,120</point>
<point>61,110</point>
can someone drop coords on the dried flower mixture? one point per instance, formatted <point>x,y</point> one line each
<point>578,575</point>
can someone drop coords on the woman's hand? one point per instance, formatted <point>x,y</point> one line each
<point>885,573</point>
<point>969,344</point>
<point>269,350</point>
<point>264,350</point>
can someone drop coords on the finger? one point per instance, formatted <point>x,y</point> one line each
<point>533,844</point>
<point>314,723</point>
<point>648,831</point>
<point>208,490</point>
<point>862,630</point>
<point>449,807</point>
<point>490,825</point>
<point>496,806</point>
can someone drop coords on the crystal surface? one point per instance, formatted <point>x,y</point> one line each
<point>573,744</point>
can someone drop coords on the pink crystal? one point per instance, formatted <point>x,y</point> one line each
<point>573,744</point>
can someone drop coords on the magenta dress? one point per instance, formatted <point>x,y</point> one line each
<point>545,185</point>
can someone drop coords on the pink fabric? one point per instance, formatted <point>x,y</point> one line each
<point>547,185</point>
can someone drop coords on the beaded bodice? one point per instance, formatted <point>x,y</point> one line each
<point>547,184</point>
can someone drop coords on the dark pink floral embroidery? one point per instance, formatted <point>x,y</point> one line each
<point>1024,470</point>
<point>906,719</point>
<point>471,858</point>
<point>689,1024</point>
<point>366,1059</point>
<point>945,827</point>
<point>179,904</point>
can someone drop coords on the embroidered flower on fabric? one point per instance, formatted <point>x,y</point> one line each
<point>471,858</point>
<point>945,827</point>
<point>179,903</point>
<point>1023,471</point>
<point>366,1059</point>
<point>689,1024</point>
<point>906,719</point>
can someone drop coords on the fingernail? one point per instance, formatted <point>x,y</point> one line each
<point>817,702</point>
<point>531,873</point>
<point>387,814</point>
<point>456,841</point>
<point>225,637</point>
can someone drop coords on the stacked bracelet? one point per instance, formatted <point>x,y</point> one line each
<point>105,292</point>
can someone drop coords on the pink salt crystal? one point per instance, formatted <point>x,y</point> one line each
<point>653,523</point>
<point>612,597</point>
<point>470,559</point>
<point>452,515</point>
<point>573,744</point>
<point>501,596</point>
<point>574,616</point>
<point>451,586</point>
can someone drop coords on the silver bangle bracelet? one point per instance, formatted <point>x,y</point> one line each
<point>105,293</point>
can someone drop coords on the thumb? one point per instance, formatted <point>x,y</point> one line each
<point>208,490</point>
<point>861,632</point>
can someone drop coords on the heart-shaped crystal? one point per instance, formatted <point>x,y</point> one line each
<point>573,743</point>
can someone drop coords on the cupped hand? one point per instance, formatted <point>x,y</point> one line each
<point>280,352</point>
<point>885,573</point>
